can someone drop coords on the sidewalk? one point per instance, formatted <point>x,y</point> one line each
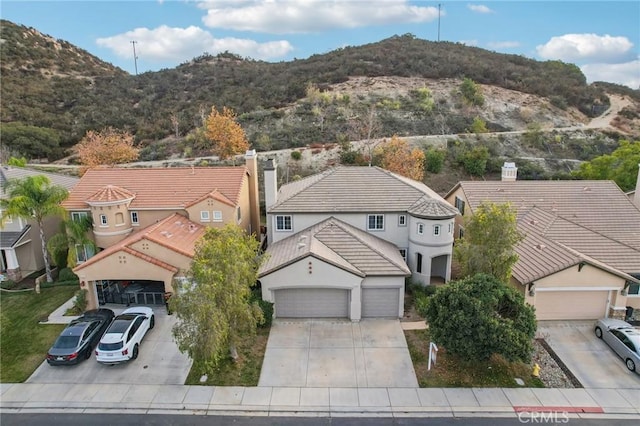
<point>318,402</point>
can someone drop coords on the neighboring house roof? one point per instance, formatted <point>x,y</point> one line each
<point>341,245</point>
<point>215,195</point>
<point>10,239</point>
<point>566,222</point>
<point>175,232</point>
<point>360,189</point>
<point>13,172</point>
<point>167,188</point>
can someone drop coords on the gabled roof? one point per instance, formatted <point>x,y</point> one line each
<point>341,245</point>
<point>215,195</point>
<point>566,222</point>
<point>160,188</point>
<point>176,232</point>
<point>12,238</point>
<point>13,172</point>
<point>359,189</point>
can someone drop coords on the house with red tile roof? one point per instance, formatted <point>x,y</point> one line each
<point>146,222</point>
<point>580,257</point>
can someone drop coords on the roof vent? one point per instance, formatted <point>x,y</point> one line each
<point>586,188</point>
<point>533,222</point>
<point>541,246</point>
<point>301,246</point>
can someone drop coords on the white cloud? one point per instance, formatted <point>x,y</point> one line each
<point>308,16</point>
<point>479,8</point>
<point>627,74</point>
<point>583,48</point>
<point>503,44</point>
<point>179,44</point>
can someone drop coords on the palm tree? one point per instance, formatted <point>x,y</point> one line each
<point>73,236</point>
<point>34,197</point>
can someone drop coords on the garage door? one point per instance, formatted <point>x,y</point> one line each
<point>380,302</point>
<point>312,303</point>
<point>571,305</point>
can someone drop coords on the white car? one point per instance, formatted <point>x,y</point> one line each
<point>121,341</point>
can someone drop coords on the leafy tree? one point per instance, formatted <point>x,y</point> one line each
<point>620,166</point>
<point>435,159</point>
<point>490,236</point>
<point>108,147</point>
<point>30,141</point>
<point>398,157</point>
<point>71,238</point>
<point>224,132</point>
<point>215,309</point>
<point>475,160</point>
<point>17,162</point>
<point>479,316</point>
<point>471,92</point>
<point>479,126</point>
<point>34,198</point>
<point>533,136</point>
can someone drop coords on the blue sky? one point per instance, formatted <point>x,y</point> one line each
<point>602,37</point>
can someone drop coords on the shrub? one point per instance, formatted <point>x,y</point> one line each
<point>475,160</point>
<point>67,274</point>
<point>296,155</point>
<point>265,307</point>
<point>435,160</point>
<point>80,301</point>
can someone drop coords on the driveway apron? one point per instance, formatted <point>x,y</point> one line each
<point>337,353</point>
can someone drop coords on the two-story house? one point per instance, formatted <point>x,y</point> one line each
<point>580,258</point>
<point>146,223</point>
<point>20,246</point>
<point>342,242</point>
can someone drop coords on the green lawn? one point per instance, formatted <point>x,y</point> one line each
<point>244,372</point>
<point>24,342</point>
<point>451,371</point>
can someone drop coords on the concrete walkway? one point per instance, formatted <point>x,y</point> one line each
<point>318,402</point>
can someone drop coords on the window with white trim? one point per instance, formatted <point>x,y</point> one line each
<point>436,230</point>
<point>217,216</point>
<point>420,229</point>
<point>460,205</point>
<point>419,263</point>
<point>403,253</point>
<point>284,223</point>
<point>134,218</point>
<point>402,220</point>
<point>103,220</point>
<point>375,222</point>
<point>204,216</point>
<point>78,216</point>
<point>450,228</point>
<point>239,214</point>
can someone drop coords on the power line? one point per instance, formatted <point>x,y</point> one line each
<point>438,21</point>
<point>135,57</point>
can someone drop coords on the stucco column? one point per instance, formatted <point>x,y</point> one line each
<point>13,267</point>
<point>355,312</point>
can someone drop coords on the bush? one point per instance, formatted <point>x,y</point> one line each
<point>475,161</point>
<point>296,155</point>
<point>80,301</point>
<point>435,160</point>
<point>266,307</point>
<point>67,274</point>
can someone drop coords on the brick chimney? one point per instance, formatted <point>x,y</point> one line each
<point>270,192</point>
<point>251,162</point>
<point>509,172</point>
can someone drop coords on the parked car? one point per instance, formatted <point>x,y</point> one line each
<point>77,340</point>
<point>623,338</point>
<point>121,342</point>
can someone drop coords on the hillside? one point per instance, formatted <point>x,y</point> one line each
<point>53,92</point>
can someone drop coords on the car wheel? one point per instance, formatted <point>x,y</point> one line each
<point>630,364</point>
<point>598,332</point>
<point>87,353</point>
<point>134,355</point>
<point>152,322</point>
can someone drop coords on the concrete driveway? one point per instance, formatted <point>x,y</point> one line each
<point>159,362</point>
<point>590,359</point>
<point>333,353</point>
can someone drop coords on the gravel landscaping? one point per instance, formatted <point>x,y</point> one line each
<point>551,373</point>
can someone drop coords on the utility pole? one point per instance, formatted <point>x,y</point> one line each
<point>135,57</point>
<point>438,21</point>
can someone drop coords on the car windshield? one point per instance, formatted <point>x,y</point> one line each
<point>110,346</point>
<point>66,342</point>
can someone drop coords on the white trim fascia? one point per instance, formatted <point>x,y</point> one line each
<point>109,203</point>
<point>22,243</point>
<point>545,289</point>
<point>109,234</point>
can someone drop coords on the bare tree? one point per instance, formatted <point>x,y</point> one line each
<point>365,127</point>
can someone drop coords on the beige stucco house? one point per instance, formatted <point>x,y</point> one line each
<point>20,247</point>
<point>342,242</point>
<point>146,223</point>
<point>580,258</point>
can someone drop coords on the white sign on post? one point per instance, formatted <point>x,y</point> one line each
<point>433,353</point>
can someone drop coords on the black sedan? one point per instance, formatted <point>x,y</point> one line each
<point>76,342</point>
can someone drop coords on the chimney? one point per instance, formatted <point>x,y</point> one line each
<point>636,196</point>
<point>270,183</point>
<point>509,172</point>
<point>251,162</point>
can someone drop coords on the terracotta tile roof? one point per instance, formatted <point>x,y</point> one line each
<point>12,172</point>
<point>176,233</point>
<point>111,193</point>
<point>341,245</point>
<point>216,195</point>
<point>356,189</point>
<point>572,221</point>
<point>160,187</point>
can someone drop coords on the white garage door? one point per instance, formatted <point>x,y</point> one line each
<point>380,302</point>
<point>312,303</point>
<point>571,305</point>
